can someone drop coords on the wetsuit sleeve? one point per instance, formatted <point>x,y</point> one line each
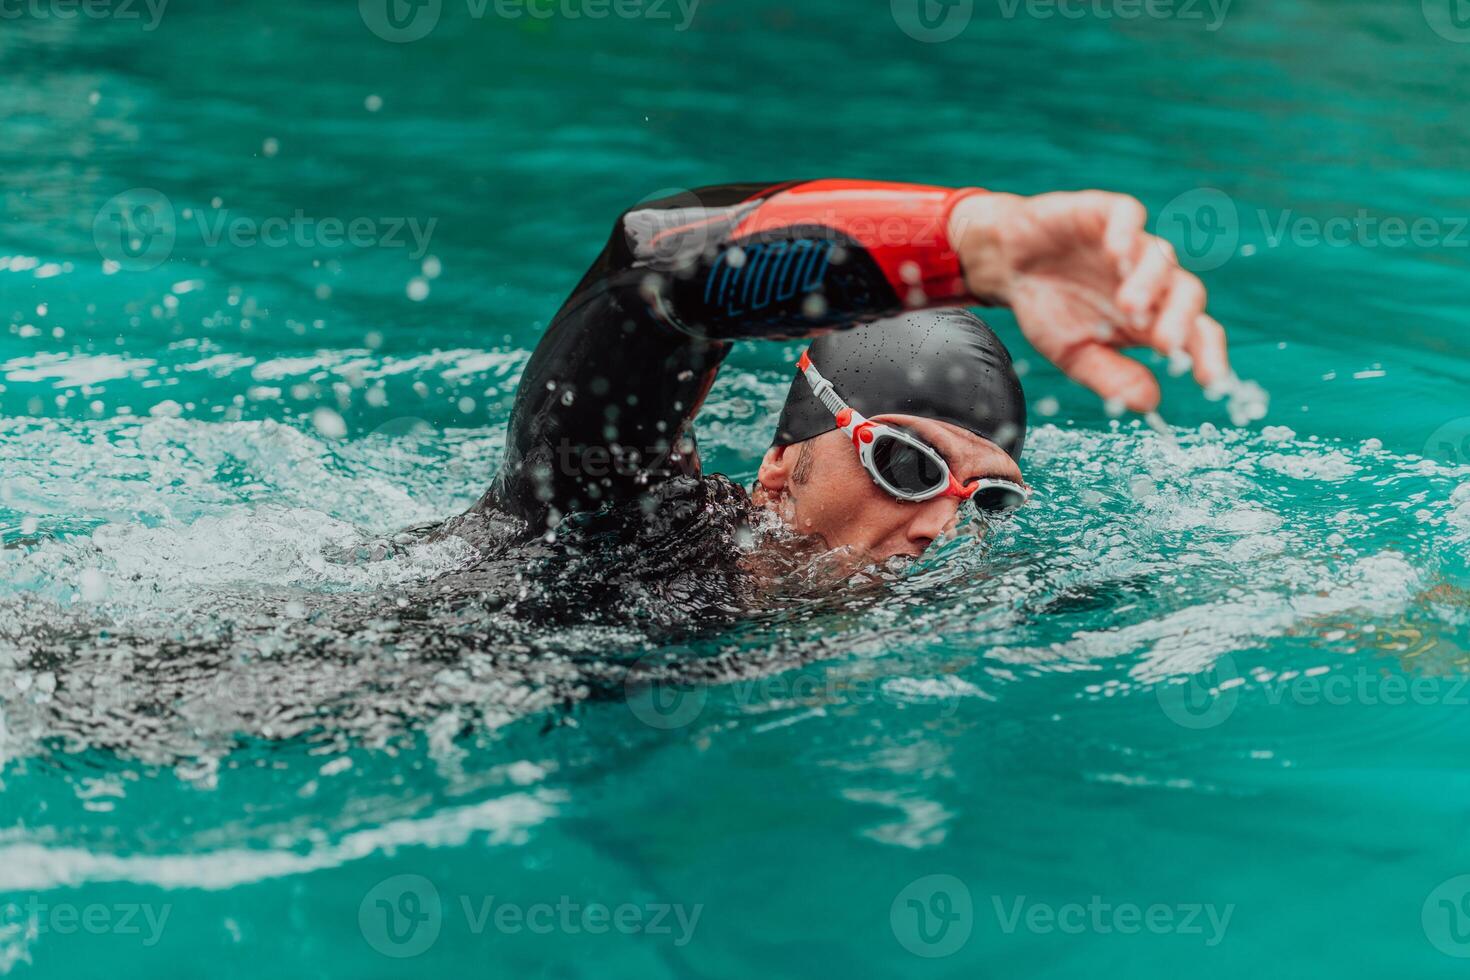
<point>605,405</point>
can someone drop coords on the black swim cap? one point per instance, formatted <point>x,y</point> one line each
<point>937,364</point>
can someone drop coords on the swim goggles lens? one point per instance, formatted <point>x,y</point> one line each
<point>911,471</point>
<point>998,498</point>
<point>906,467</point>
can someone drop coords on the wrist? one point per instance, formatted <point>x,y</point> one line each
<point>977,226</point>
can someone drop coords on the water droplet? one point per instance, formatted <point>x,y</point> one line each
<point>328,423</point>
<point>93,585</point>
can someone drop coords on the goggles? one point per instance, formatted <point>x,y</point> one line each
<point>903,465</point>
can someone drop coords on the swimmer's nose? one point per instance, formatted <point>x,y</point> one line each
<point>931,519</point>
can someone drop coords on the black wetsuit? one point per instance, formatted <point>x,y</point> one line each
<point>600,504</point>
<point>604,410</point>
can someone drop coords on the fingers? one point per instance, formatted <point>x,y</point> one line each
<point>1146,285</point>
<point>1115,220</point>
<point>1113,376</point>
<point>1184,305</point>
<point>1182,323</point>
<point>1126,219</point>
<point>1206,345</point>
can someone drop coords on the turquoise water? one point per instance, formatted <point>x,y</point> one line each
<point>1198,709</point>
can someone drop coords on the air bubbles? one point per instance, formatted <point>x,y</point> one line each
<point>1179,364</point>
<point>1278,433</point>
<point>373,103</point>
<point>418,289</point>
<point>328,423</point>
<point>92,586</point>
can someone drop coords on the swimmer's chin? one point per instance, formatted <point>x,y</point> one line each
<point>785,558</point>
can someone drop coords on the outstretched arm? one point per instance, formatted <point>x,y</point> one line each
<point>605,404</point>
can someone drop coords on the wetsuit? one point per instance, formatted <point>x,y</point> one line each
<point>604,410</point>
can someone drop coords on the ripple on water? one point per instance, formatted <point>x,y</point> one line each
<point>211,583</point>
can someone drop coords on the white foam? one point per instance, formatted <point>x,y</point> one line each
<point>31,866</point>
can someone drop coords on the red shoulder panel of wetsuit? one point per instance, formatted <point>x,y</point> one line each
<point>904,227</point>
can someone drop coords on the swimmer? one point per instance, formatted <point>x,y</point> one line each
<point>904,408</point>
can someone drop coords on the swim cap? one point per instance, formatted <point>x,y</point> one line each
<point>937,364</point>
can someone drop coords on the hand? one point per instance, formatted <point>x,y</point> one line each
<point>1085,279</point>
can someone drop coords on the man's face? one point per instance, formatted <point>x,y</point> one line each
<point>820,487</point>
